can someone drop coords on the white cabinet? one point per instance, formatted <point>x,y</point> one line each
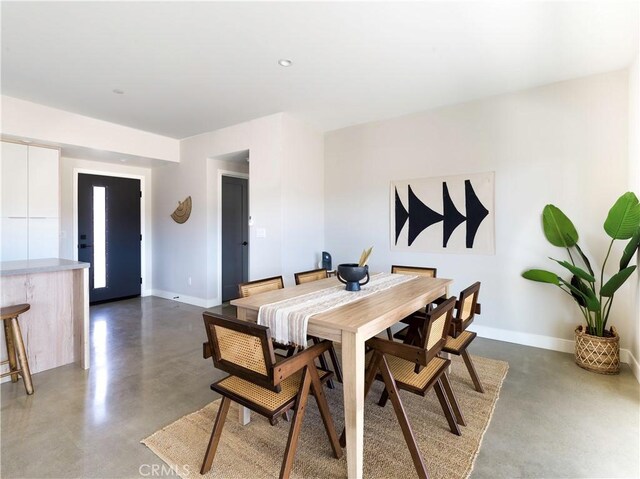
<point>43,238</point>
<point>29,211</point>
<point>14,239</point>
<point>43,182</point>
<point>13,169</point>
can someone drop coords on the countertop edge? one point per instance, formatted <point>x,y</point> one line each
<point>39,266</point>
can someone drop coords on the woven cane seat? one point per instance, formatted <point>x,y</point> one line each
<point>264,398</point>
<point>403,371</point>
<point>456,345</point>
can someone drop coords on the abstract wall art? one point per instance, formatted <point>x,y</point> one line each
<point>447,214</point>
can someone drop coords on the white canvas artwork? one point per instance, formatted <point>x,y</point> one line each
<point>447,214</point>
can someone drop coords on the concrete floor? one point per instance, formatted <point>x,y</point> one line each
<point>553,420</point>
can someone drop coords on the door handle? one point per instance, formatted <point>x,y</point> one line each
<point>244,243</point>
<point>82,246</point>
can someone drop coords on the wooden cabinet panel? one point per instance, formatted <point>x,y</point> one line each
<point>43,182</point>
<point>13,171</point>
<point>44,238</point>
<point>14,239</point>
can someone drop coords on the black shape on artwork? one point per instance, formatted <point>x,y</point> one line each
<point>401,215</point>
<point>452,217</point>
<point>420,216</point>
<point>476,212</point>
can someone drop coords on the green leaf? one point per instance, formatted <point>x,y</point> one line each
<point>542,276</point>
<point>623,219</point>
<point>579,272</point>
<point>630,250</point>
<point>578,284</point>
<point>616,281</point>
<point>558,229</point>
<point>590,299</point>
<point>585,259</point>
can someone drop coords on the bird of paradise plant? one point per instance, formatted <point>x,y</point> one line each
<point>594,298</point>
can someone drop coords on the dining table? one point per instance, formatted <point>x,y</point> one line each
<point>351,325</point>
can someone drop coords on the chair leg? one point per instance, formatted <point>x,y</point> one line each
<point>384,397</point>
<point>446,386</point>
<point>410,439</point>
<point>22,355</point>
<point>337,369</point>
<point>215,435</point>
<point>296,426</point>
<point>472,371</point>
<point>446,408</point>
<point>325,413</point>
<point>323,363</point>
<point>369,377</point>
<point>11,350</point>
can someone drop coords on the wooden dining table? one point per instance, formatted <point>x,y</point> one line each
<point>351,325</point>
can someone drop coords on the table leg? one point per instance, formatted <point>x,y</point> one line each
<point>353,378</point>
<point>244,415</point>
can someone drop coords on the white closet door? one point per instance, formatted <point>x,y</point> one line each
<point>13,171</point>
<point>43,182</point>
<point>44,238</point>
<point>13,245</point>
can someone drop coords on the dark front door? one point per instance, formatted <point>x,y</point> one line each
<point>235,235</point>
<point>109,235</point>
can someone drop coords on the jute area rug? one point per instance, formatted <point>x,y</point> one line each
<point>256,450</point>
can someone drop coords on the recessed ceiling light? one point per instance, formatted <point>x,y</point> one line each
<point>283,62</point>
<point>123,160</point>
<point>117,91</point>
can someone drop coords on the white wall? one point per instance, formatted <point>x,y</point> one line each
<point>68,243</point>
<point>276,143</point>
<point>24,119</point>
<point>634,185</point>
<point>564,144</point>
<point>302,198</point>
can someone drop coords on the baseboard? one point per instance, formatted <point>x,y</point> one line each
<point>547,342</point>
<point>193,300</point>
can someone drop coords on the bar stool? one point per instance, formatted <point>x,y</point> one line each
<point>13,338</point>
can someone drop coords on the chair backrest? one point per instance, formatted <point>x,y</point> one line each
<point>467,309</point>
<point>260,286</point>
<point>241,348</point>
<point>436,327</point>
<point>311,275</point>
<point>419,270</point>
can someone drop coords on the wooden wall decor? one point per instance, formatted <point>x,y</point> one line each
<point>447,214</point>
<point>183,211</point>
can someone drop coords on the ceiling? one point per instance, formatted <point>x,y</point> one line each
<point>187,68</point>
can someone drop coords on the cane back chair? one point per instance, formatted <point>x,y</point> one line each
<point>258,382</point>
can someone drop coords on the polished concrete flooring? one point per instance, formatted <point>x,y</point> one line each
<point>553,420</point>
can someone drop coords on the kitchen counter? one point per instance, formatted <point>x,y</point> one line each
<point>56,328</point>
<point>45,265</point>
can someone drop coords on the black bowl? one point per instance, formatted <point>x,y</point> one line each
<point>352,272</point>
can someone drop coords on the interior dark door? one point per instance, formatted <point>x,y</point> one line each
<point>109,235</point>
<point>235,235</point>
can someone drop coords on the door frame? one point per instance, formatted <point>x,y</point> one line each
<point>145,287</point>
<point>233,174</point>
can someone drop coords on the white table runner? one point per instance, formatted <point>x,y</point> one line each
<point>288,319</point>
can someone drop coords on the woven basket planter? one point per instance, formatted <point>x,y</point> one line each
<point>596,354</point>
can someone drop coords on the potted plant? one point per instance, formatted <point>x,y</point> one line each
<point>597,349</point>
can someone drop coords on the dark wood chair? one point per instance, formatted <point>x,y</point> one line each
<point>311,275</point>
<point>308,277</point>
<point>459,337</point>
<point>415,369</point>
<point>265,386</point>
<point>411,270</point>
